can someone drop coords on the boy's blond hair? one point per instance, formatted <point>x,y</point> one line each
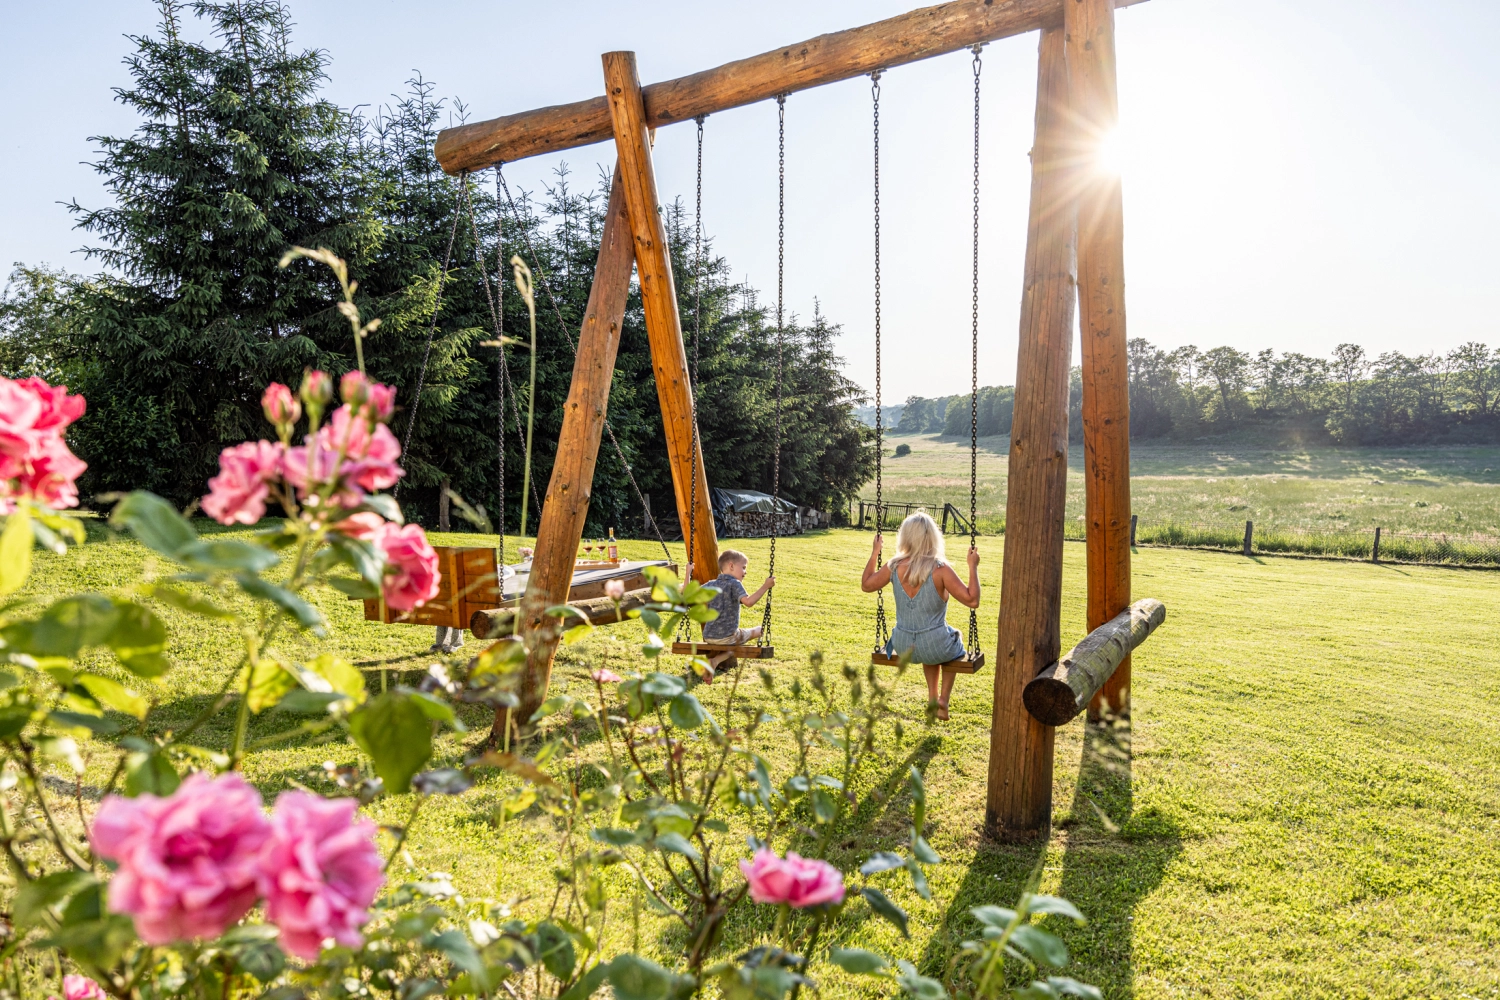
<point>730,556</point>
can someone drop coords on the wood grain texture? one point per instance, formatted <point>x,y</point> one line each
<point>840,55</point>
<point>1018,798</point>
<point>566,505</point>
<point>1056,695</point>
<point>714,649</point>
<point>965,664</point>
<point>497,623</point>
<point>653,264</point>
<point>1090,31</point>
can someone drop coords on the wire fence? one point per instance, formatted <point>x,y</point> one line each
<point>1248,538</point>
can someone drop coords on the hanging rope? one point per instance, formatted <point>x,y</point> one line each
<point>765,623</point>
<point>416,399</point>
<point>573,346</point>
<point>974,366</point>
<point>882,628</point>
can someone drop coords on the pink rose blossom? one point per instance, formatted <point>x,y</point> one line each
<point>412,575</point>
<point>369,453</point>
<point>280,406</point>
<point>237,495</point>
<point>614,589</point>
<point>34,459</point>
<point>357,390</point>
<point>187,862</point>
<point>606,676</point>
<point>319,871</point>
<point>51,477</point>
<point>383,400</point>
<point>354,388</point>
<point>77,987</point>
<point>365,525</point>
<point>317,389</point>
<point>800,882</point>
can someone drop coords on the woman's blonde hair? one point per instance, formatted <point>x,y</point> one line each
<point>920,543</point>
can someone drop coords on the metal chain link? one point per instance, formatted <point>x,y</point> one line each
<point>568,333</point>
<point>686,629</point>
<point>437,307</point>
<point>765,624</point>
<point>882,628</point>
<point>507,389</point>
<point>500,380</point>
<point>974,366</point>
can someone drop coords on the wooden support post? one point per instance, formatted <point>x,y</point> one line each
<point>674,391</point>
<point>1090,29</point>
<point>1132,530</point>
<point>1249,535</point>
<point>567,502</point>
<point>1375,549</point>
<point>1018,799</point>
<point>1061,691</point>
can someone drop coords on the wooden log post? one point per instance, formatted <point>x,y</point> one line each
<point>497,623</point>
<point>1375,549</point>
<point>1090,29</point>
<point>566,505</point>
<point>1018,799</point>
<point>840,55</point>
<point>1249,536</point>
<point>674,391</point>
<point>1065,688</point>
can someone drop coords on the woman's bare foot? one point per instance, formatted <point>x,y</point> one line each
<point>942,712</point>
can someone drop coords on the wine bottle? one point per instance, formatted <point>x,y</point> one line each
<point>614,550</point>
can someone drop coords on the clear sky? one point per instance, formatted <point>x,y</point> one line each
<point>1298,173</point>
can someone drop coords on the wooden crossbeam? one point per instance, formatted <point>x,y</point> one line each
<point>1066,687</point>
<point>840,55</point>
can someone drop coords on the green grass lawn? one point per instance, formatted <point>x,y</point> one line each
<point>1307,803</point>
<point>1453,489</point>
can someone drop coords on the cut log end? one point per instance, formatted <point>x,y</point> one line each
<point>1065,688</point>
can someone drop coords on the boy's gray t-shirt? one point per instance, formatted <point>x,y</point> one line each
<point>727,604</point>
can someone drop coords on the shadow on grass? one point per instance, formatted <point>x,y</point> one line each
<point>1115,856</point>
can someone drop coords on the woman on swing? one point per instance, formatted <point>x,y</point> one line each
<point>922,582</point>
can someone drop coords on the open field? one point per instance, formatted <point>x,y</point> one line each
<point>1450,489</point>
<point>1307,806</point>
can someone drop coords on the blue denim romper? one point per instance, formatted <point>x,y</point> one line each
<point>922,625</point>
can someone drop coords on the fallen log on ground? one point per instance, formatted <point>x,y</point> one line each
<point>496,623</point>
<point>1065,688</point>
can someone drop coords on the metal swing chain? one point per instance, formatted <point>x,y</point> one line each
<point>974,366</point>
<point>506,387</point>
<point>437,306</point>
<point>685,628</point>
<point>765,624</point>
<point>572,345</point>
<point>882,628</point>
<point>500,381</point>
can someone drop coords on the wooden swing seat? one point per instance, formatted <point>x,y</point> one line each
<point>969,663</point>
<point>710,650</point>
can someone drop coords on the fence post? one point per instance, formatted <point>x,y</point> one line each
<point>1249,533</point>
<point>1132,530</point>
<point>1375,549</point>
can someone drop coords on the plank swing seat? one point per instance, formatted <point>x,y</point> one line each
<point>969,663</point>
<point>712,649</point>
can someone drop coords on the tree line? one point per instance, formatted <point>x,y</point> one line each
<point>1349,398</point>
<point>237,157</point>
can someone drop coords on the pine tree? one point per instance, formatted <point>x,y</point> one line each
<point>236,159</point>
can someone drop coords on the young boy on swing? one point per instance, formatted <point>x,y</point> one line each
<point>725,630</point>
<point>922,582</point>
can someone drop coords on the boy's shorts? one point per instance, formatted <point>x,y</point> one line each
<point>741,637</point>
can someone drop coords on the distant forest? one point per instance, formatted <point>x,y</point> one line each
<point>1350,398</point>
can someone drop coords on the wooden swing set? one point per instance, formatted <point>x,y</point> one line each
<point>1074,254</point>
